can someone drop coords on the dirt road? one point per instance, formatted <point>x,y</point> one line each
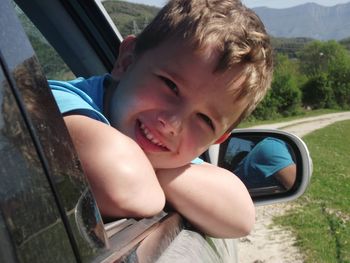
<point>269,243</point>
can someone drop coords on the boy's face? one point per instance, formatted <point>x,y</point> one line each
<point>171,103</point>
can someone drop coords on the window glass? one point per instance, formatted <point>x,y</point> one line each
<point>51,63</point>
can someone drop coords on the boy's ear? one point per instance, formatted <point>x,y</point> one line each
<point>125,56</point>
<point>222,138</point>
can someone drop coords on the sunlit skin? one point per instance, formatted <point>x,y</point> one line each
<point>171,102</point>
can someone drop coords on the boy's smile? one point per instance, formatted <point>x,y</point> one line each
<point>170,101</point>
<point>148,140</point>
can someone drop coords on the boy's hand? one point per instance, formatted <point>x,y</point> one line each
<point>211,198</point>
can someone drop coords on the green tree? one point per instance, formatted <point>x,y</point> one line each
<point>328,65</point>
<point>339,77</point>
<point>267,109</point>
<point>316,57</point>
<point>284,97</point>
<point>317,92</point>
<point>346,43</point>
<point>287,93</point>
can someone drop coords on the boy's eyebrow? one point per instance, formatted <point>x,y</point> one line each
<point>172,74</point>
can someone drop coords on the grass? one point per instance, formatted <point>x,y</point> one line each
<point>304,114</point>
<point>321,219</point>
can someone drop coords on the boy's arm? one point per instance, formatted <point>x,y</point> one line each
<point>211,198</point>
<point>122,179</point>
<point>286,176</point>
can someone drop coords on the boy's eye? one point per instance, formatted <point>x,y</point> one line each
<point>171,85</point>
<point>207,120</point>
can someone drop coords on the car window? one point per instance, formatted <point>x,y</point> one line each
<point>52,64</point>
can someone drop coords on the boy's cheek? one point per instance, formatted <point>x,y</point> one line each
<point>197,144</point>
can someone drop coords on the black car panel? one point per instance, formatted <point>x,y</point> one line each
<point>25,190</point>
<point>38,147</point>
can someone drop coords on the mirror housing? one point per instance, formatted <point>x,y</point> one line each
<point>263,159</point>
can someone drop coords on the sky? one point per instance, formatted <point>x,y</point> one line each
<point>256,3</point>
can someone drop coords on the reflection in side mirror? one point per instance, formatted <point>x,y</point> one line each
<point>261,162</point>
<point>272,164</point>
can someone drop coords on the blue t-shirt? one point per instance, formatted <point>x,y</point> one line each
<point>80,96</point>
<point>84,97</point>
<point>264,160</point>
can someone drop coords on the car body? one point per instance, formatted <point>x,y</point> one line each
<point>47,211</point>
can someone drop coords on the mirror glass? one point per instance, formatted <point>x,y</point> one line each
<point>266,164</point>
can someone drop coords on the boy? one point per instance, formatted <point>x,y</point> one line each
<point>268,162</point>
<point>183,84</point>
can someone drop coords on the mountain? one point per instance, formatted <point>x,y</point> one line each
<point>308,20</point>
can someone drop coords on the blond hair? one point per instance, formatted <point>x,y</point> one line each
<point>235,30</point>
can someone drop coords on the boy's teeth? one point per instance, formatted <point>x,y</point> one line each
<point>149,135</point>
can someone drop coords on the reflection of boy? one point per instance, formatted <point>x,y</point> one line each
<point>269,162</point>
<point>189,78</point>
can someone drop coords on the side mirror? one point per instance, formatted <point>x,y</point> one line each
<point>274,165</point>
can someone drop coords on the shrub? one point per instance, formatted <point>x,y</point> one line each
<point>318,93</point>
<point>284,97</point>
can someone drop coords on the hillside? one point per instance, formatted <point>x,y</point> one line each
<point>308,20</point>
<point>130,18</point>
<point>289,46</point>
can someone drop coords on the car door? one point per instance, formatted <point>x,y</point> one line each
<point>42,185</point>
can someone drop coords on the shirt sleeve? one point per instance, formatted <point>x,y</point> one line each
<point>197,161</point>
<point>71,100</point>
<point>267,157</point>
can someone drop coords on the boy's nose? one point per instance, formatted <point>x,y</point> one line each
<point>170,123</point>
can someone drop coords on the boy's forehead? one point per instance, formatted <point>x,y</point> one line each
<point>179,44</point>
<point>176,55</point>
<point>187,48</point>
